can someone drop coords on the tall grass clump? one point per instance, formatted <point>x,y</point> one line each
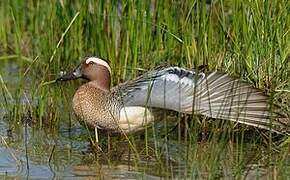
<point>249,39</point>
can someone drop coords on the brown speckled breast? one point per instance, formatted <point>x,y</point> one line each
<point>94,107</point>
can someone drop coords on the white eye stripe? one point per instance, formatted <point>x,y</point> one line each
<point>98,61</point>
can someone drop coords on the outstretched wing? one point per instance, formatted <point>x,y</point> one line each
<point>215,95</point>
<point>225,97</point>
<point>169,88</point>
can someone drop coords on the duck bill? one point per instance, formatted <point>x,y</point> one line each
<point>74,74</point>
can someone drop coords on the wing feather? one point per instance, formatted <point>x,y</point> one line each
<point>216,95</point>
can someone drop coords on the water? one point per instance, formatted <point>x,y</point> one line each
<point>63,154</point>
<point>63,150</point>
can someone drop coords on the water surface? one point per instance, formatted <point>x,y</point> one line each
<point>63,149</point>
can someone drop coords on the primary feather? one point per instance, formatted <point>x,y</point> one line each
<point>216,95</point>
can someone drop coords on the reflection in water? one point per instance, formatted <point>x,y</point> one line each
<point>9,164</point>
<point>12,163</point>
<point>62,150</point>
<point>68,153</point>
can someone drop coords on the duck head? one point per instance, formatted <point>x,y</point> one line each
<point>92,69</point>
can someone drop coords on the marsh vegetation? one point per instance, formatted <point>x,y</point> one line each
<point>40,136</point>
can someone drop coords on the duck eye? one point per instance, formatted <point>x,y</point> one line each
<point>91,62</point>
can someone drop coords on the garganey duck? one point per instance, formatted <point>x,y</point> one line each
<point>126,107</point>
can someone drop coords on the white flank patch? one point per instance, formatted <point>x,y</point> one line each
<point>134,118</point>
<point>99,61</point>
